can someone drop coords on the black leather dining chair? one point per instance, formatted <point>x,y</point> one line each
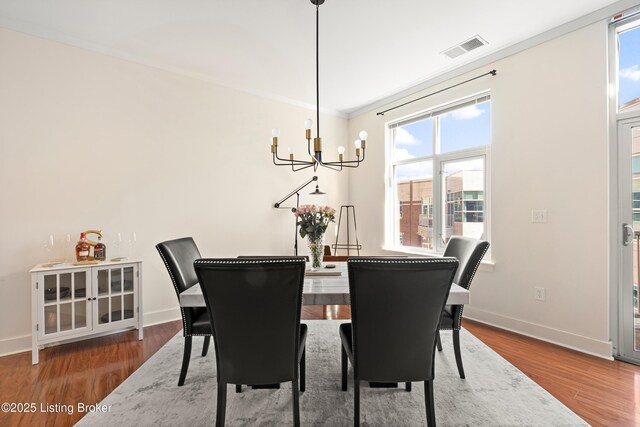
<point>396,306</point>
<point>178,256</point>
<point>255,304</point>
<point>469,252</point>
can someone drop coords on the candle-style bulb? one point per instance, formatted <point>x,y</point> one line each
<point>275,132</point>
<point>308,124</point>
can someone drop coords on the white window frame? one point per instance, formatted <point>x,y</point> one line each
<point>392,218</point>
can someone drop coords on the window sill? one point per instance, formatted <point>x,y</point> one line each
<point>485,264</point>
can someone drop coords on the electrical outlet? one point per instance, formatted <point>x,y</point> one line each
<point>539,216</point>
<point>539,293</point>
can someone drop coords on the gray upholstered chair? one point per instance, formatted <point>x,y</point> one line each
<point>396,306</point>
<point>469,252</point>
<point>178,256</point>
<point>254,305</point>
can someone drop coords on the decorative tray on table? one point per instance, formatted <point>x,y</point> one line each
<point>322,272</point>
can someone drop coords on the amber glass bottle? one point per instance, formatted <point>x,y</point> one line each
<point>99,250</point>
<point>82,248</point>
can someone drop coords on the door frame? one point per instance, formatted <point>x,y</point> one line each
<point>625,324</point>
<point>616,178</point>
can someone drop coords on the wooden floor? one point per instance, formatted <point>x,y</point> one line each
<point>603,393</point>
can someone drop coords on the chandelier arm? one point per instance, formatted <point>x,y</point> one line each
<point>302,168</point>
<point>347,163</point>
<point>330,165</point>
<point>287,162</point>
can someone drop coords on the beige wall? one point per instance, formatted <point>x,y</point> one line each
<point>89,141</point>
<point>549,151</point>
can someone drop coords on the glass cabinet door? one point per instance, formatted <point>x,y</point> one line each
<point>115,294</point>
<point>64,302</point>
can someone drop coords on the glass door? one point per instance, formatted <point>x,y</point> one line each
<point>629,313</point>
<point>115,297</point>
<point>65,307</point>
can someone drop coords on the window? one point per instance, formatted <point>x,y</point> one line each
<point>629,67</point>
<point>438,167</point>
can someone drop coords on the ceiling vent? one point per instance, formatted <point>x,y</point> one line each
<point>464,47</point>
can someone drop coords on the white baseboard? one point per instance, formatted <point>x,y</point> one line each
<point>15,345</point>
<point>161,316</point>
<point>603,349</point>
<point>22,343</point>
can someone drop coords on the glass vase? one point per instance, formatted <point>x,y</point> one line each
<point>316,250</point>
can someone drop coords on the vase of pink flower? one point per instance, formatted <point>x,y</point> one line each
<point>313,222</point>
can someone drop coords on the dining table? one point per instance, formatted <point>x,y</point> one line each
<point>325,286</point>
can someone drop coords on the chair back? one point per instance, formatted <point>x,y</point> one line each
<point>254,305</point>
<point>178,256</point>
<point>469,252</point>
<point>396,305</point>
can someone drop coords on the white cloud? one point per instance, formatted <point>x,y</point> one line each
<point>402,154</point>
<point>403,137</point>
<point>411,171</point>
<point>464,165</point>
<point>631,73</point>
<point>470,112</point>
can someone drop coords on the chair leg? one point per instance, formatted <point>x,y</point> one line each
<point>205,347</point>
<point>238,388</point>
<point>222,403</point>
<point>296,403</point>
<point>456,350</point>
<point>438,342</point>
<point>407,386</point>
<point>303,369</point>
<point>429,403</point>
<point>344,368</point>
<point>185,361</point>
<point>356,402</point>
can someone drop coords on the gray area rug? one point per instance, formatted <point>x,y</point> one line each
<point>494,393</point>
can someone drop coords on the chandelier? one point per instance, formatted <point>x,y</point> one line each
<point>316,156</point>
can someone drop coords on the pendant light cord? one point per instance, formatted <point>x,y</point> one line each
<point>317,71</point>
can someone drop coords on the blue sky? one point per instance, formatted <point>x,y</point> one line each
<point>629,71</point>
<point>464,128</point>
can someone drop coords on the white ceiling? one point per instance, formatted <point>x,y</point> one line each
<point>369,49</point>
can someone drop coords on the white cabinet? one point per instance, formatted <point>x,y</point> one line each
<point>71,302</point>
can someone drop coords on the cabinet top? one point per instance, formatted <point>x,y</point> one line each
<point>53,266</point>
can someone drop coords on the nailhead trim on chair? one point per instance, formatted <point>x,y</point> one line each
<point>405,261</point>
<point>247,261</point>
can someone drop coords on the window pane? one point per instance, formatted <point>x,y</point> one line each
<point>413,140</point>
<point>414,189</point>
<point>463,198</point>
<point>465,128</point>
<point>629,70</point>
